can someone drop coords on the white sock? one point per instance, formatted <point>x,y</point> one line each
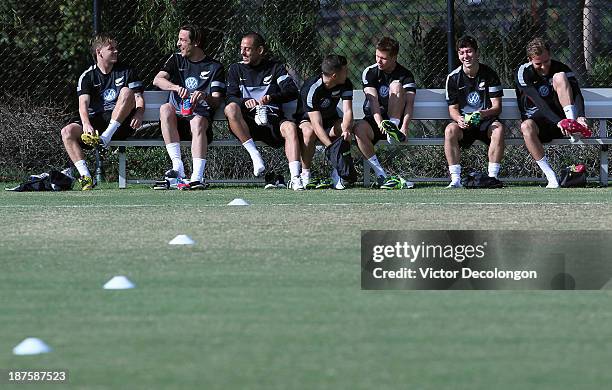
<point>378,170</point>
<point>550,174</point>
<point>494,169</point>
<point>295,168</point>
<point>258,163</point>
<point>174,151</point>
<point>305,173</point>
<point>570,111</point>
<point>113,125</point>
<point>198,169</point>
<point>395,121</point>
<point>81,166</point>
<point>455,171</point>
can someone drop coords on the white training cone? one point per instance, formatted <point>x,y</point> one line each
<point>31,346</point>
<point>119,283</point>
<point>238,202</point>
<point>182,239</point>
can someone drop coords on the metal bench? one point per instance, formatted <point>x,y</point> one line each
<point>429,104</point>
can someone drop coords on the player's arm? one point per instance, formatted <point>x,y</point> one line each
<point>84,101</point>
<point>495,110</point>
<point>347,119</point>
<point>288,90</point>
<point>316,120</point>
<point>234,94</point>
<point>408,111</point>
<point>455,114</point>
<point>372,95</point>
<point>217,89</point>
<point>453,102</point>
<point>136,121</point>
<point>162,81</point>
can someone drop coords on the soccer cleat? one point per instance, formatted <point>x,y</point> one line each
<point>170,181</point>
<point>322,184</point>
<point>280,181</point>
<point>305,180</point>
<point>87,183</point>
<point>337,182</point>
<point>576,129</point>
<point>394,135</point>
<point>261,115</point>
<point>455,185</point>
<point>192,185</point>
<point>270,179</point>
<point>380,180</point>
<point>296,184</point>
<point>473,118</point>
<point>396,183</point>
<point>92,140</point>
<point>311,184</point>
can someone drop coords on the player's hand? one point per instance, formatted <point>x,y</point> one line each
<point>347,136</point>
<point>563,131</point>
<point>88,129</point>
<point>265,100</point>
<point>462,123</point>
<point>182,92</point>
<point>197,97</point>
<point>582,120</point>
<point>136,121</point>
<point>251,103</point>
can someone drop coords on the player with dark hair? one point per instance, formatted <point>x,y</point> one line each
<point>317,112</point>
<point>257,87</point>
<point>110,99</point>
<point>390,91</point>
<point>197,85</point>
<point>473,94</point>
<point>547,91</point>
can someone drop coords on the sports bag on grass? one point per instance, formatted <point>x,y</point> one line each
<point>52,181</point>
<point>339,155</point>
<point>481,180</point>
<point>573,176</point>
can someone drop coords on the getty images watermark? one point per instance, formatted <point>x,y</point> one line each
<point>486,259</point>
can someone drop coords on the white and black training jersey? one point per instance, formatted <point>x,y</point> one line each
<point>245,82</point>
<point>536,96</point>
<point>375,78</point>
<point>315,97</point>
<point>104,89</point>
<point>206,75</point>
<point>473,94</point>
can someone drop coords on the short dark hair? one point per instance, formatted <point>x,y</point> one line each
<point>537,46</point>
<point>333,63</point>
<point>467,41</point>
<point>99,41</point>
<point>258,40</point>
<point>195,34</point>
<point>389,45</point>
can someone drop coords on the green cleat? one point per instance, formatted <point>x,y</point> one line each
<point>323,184</point>
<point>394,135</point>
<point>87,183</point>
<point>396,183</point>
<point>92,140</point>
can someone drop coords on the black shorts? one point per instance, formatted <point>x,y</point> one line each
<point>480,132</point>
<point>328,123</point>
<point>547,130</point>
<point>271,134</point>
<point>184,128</point>
<point>100,122</point>
<point>378,135</point>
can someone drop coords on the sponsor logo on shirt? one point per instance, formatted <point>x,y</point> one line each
<point>109,95</point>
<point>191,83</point>
<point>473,99</point>
<point>383,91</point>
<point>544,90</point>
<point>267,80</point>
<point>325,103</point>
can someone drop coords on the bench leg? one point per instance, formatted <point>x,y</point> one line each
<point>122,168</point>
<point>603,155</point>
<point>366,173</point>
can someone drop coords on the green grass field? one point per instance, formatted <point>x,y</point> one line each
<point>269,296</point>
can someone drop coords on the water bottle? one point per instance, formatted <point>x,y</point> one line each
<point>186,108</point>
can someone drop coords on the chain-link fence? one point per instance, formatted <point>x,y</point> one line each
<point>44,44</point>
